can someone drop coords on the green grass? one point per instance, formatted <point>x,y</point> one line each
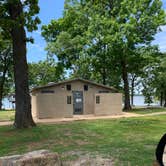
<point>130,141</point>
<point>148,110</point>
<point>7,115</point>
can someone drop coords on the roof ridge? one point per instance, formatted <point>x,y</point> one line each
<point>74,79</point>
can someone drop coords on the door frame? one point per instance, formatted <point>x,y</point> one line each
<point>80,113</point>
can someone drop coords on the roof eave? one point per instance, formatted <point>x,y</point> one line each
<point>71,80</point>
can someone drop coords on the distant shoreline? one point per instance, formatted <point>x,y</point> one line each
<point>138,102</point>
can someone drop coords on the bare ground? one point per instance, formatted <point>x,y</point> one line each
<point>85,159</point>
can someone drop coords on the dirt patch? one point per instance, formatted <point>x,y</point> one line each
<point>81,142</point>
<point>67,133</point>
<point>85,159</point>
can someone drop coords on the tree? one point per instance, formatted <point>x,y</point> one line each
<point>143,56</point>
<point>108,32</point>
<point>153,77</point>
<point>44,72</point>
<point>148,93</point>
<point>15,16</point>
<point>66,39</point>
<point>5,68</point>
<point>159,81</point>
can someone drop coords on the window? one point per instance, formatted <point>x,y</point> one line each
<point>68,99</point>
<point>97,99</point>
<point>85,87</point>
<point>103,91</point>
<point>68,87</point>
<point>47,91</point>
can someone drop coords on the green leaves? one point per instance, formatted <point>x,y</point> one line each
<point>6,68</point>
<point>105,33</point>
<point>27,18</point>
<point>43,72</point>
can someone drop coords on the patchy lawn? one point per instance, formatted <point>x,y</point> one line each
<point>147,110</point>
<point>7,115</point>
<point>126,141</point>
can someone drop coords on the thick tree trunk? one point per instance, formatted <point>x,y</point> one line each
<point>23,116</point>
<point>127,105</point>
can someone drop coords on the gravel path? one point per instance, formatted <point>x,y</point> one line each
<point>86,117</point>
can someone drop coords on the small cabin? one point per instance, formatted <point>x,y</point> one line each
<point>75,97</point>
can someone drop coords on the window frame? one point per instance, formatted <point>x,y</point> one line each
<point>97,99</point>
<point>47,91</point>
<point>68,87</point>
<point>86,87</point>
<point>69,100</point>
<point>104,91</point>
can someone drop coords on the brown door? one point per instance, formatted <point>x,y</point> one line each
<point>78,102</point>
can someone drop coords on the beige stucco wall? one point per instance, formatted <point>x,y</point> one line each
<point>54,105</point>
<point>110,104</point>
<point>33,104</point>
<point>51,105</point>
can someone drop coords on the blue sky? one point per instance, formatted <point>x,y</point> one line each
<point>50,9</point>
<point>53,9</point>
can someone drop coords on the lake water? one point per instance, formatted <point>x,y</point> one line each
<point>138,101</point>
<point>6,104</point>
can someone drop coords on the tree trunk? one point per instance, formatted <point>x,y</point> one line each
<point>127,105</point>
<point>161,99</point>
<point>165,99</point>
<point>1,99</point>
<point>104,76</point>
<point>132,96</point>
<point>2,86</point>
<point>23,116</point>
<point>1,90</point>
<point>132,89</point>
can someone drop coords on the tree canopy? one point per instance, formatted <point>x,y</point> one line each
<point>6,66</point>
<point>102,38</point>
<point>44,72</point>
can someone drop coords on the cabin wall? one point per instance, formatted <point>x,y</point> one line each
<point>54,105</point>
<point>34,108</point>
<point>109,104</point>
